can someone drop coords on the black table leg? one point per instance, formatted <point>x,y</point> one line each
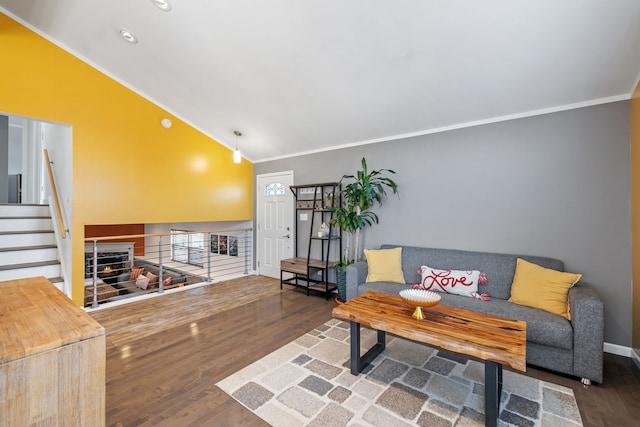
<point>492,392</point>
<point>358,363</point>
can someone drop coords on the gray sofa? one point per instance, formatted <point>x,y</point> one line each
<point>573,347</point>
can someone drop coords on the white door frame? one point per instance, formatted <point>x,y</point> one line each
<point>260,208</point>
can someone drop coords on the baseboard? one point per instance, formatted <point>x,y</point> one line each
<point>619,350</point>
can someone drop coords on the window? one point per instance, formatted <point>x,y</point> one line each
<point>179,246</point>
<point>224,245</point>
<point>274,189</point>
<point>214,244</point>
<point>233,246</point>
<point>187,247</point>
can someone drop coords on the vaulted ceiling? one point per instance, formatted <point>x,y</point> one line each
<point>303,76</point>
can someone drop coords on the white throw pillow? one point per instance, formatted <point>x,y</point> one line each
<point>453,281</point>
<point>142,282</point>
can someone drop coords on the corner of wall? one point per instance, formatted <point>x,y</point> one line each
<point>634,143</point>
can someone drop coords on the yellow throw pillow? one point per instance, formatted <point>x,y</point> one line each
<point>385,265</point>
<point>543,288</point>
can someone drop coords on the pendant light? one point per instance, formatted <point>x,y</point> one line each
<point>237,157</point>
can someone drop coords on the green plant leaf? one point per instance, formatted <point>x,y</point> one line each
<point>360,193</point>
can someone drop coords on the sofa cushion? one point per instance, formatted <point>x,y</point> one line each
<point>124,277</point>
<point>542,288</point>
<point>542,327</point>
<point>385,265</point>
<point>499,268</point>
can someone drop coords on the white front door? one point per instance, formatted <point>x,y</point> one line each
<point>275,221</point>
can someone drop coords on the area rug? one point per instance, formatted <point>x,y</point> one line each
<point>308,383</point>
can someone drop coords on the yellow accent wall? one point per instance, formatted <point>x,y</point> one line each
<point>127,168</point>
<point>635,216</point>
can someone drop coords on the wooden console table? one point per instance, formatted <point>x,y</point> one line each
<point>52,358</point>
<point>303,270</point>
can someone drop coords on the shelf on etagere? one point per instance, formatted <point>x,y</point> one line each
<point>308,272</point>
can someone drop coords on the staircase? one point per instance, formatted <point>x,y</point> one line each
<point>27,244</point>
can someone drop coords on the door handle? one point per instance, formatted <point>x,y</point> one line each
<point>286,236</point>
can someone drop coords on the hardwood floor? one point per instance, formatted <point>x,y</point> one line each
<point>165,354</point>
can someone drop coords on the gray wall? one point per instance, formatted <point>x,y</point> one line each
<point>554,185</point>
<point>15,150</point>
<point>4,159</point>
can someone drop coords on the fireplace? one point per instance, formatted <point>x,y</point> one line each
<point>113,259</point>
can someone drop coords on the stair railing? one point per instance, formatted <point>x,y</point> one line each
<point>60,231</point>
<point>56,199</point>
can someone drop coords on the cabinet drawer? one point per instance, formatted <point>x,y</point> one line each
<point>294,265</point>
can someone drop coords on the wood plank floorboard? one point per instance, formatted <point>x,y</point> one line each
<point>154,314</point>
<point>165,355</point>
<point>163,372</point>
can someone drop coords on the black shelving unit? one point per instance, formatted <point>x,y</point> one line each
<point>315,253</point>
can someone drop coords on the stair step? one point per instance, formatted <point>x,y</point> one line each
<point>59,285</point>
<point>12,224</point>
<point>28,254</point>
<point>24,216</point>
<point>9,233</point>
<point>27,248</point>
<point>27,265</point>
<point>32,269</point>
<point>22,210</point>
<point>27,243</point>
<point>27,238</point>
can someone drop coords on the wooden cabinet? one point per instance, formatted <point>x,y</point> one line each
<point>52,358</point>
<point>316,248</point>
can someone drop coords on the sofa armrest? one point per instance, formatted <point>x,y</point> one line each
<point>356,274</point>
<point>587,319</point>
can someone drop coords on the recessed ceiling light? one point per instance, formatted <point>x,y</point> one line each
<point>162,5</point>
<point>127,36</point>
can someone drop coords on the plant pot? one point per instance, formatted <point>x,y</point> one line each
<point>341,279</point>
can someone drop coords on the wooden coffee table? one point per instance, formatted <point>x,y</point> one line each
<point>495,340</point>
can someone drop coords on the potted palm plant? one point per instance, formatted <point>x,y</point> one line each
<point>360,193</point>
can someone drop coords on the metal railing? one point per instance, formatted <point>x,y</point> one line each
<point>121,267</point>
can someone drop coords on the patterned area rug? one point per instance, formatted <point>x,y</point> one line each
<point>308,383</point>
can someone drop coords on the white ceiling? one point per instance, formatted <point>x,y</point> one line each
<point>301,76</point>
